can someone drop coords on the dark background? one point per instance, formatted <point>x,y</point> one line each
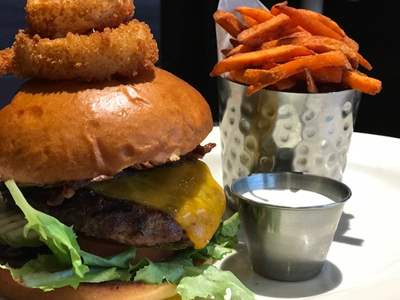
<point>186,35</point>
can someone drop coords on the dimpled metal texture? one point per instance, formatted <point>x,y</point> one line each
<point>273,131</point>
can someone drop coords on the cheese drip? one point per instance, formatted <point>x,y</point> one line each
<point>186,191</point>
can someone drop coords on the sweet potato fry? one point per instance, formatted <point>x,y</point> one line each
<point>351,43</point>
<point>302,18</point>
<point>226,51</point>
<point>249,21</point>
<point>275,9</point>
<point>328,75</point>
<point>365,63</point>
<point>328,22</point>
<point>238,76</point>
<point>234,42</point>
<point>258,58</point>
<point>269,65</point>
<point>239,49</point>
<point>359,81</point>
<point>311,86</point>
<point>264,78</point>
<point>319,44</point>
<point>258,14</point>
<point>229,22</point>
<point>285,84</point>
<point>324,75</point>
<point>286,40</point>
<point>265,31</point>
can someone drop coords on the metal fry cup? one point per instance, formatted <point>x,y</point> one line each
<point>274,131</point>
<point>289,243</point>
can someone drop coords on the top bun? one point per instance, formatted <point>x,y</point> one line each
<point>54,132</point>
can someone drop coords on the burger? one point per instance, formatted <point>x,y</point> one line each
<point>103,193</point>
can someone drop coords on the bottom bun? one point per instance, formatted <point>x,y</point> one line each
<point>12,290</point>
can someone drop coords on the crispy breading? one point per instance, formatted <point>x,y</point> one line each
<point>127,50</point>
<point>6,59</point>
<point>55,18</point>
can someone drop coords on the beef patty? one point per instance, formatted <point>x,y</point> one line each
<point>120,221</point>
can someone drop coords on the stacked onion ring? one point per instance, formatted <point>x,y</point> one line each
<point>89,40</point>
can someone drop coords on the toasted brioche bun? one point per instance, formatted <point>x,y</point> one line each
<point>11,290</point>
<point>55,132</point>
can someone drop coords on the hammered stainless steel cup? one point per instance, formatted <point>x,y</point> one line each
<point>286,243</point>
<point>274,131</point>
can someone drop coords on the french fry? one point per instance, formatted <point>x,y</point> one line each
<point>229,22</point>
<point>365,63</point>
<point>324,75</point>
<point>249,21</point>
<point>258,58</point>
<point>239,49</point>
<point>226,51</point>
<point>311,86</point>
<point>328,75</point>
<point>275,9</point>
<point>286,46</point>
<point>285,84</point>
<point>264,78</point>
<point>238,76</point>
<point>269,65</point>
<point>259,14</point>
<point>300,18</point>
<point>265,31</point>
<point>328,22</point>
<point>361,82</point>
<point>351,43</point>
<point>320,44</point>
<point>234,42</point>
<point>286,40</point>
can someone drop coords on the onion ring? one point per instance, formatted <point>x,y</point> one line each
<point>55,18</point>
<point>6,58</point>
<point>127,50</point>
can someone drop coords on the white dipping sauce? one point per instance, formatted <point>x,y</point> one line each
<point>288,198</point>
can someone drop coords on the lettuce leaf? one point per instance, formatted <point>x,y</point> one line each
<point>203,281</point>
<point>155,273</point>
<point>47,274</point>
<point>121,261</point>
<point>59,238</point>
<point>224,240</point>
<point>193,282</point>
<point>215,284</point>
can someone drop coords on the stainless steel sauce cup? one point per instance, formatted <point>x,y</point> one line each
<point>286,243</point>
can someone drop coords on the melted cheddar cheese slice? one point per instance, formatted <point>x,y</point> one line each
<point>186,191</point>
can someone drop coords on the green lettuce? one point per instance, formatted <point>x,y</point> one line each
<point>47,274</point>
<point>59,238</point>
<point>213,283</point>
<point>121,261</point>
<point>68,265</point>
<point>155,273</point>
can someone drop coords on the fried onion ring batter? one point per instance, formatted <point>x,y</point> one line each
<point>55,18</point>
<point>126,51</point>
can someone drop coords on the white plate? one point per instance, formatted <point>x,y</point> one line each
<point>364,261</point>
<point>364,264</point>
